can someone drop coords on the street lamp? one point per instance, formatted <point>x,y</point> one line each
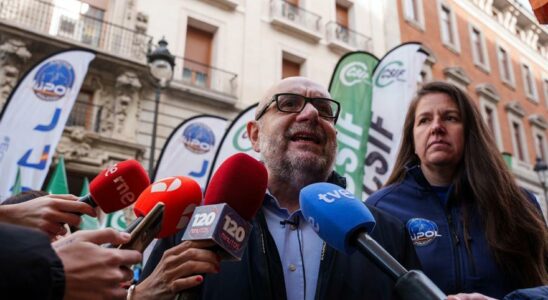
<point>161,63</point>
<point>542,172</point>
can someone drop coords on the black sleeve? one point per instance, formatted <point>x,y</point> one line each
<point>30,267</point>
<point>392,235</point>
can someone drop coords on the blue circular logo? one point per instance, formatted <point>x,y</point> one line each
<point>198,138</point>
<point>422,231</point>
<point>53,80</point>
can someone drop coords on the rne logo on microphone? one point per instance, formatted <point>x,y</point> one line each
<point>126,197</point>
<point>331,196</point>
<point>111,170</point>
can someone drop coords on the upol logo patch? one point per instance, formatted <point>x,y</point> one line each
<point>354,73</point>
<point>53,80</point>
<point>198,138</point>
<point>422,231</point>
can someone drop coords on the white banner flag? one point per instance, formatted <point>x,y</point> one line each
<point>394,85</point>
<point>235,139</point>
<point>33,119</point>
<point>190,149</point>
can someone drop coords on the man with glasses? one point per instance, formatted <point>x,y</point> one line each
<point>294,131</point>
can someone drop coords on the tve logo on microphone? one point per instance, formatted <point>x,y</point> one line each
<point>331,196</point>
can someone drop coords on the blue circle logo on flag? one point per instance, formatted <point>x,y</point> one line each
<point>53,80</point>
<point>422,231</point>
<point>198,138</point>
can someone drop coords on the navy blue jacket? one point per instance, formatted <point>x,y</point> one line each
<point>259,275</point>
<point>437,232</point>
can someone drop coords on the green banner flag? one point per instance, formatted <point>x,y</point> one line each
<point>88,222</point>
<point>351,85</point>
<point>17,188</point>
<point>116,220</point>
<point>58,183</point>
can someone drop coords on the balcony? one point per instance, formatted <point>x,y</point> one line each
<point>296,20</point>
<point>205,80</point>
<point>344,39</point>
<point>226,4</point>
<point>75,22</point>
<point>85,115</point>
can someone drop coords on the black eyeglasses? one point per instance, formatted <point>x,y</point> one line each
<point>295,103</point>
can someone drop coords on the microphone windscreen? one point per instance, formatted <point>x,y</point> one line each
<point>180,196</point>
<point>119,185</point>
<point>241,183</point>
<point>335,214</point>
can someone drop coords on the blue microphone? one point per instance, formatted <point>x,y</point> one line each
<point>344,222</point>
<point>335,214</point>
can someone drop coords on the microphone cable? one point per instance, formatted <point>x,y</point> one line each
<point>296,223</point>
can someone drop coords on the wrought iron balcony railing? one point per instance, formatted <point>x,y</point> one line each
<point>341,34</point>
<point>85,115</point>
<point>77,22</point>
<point>296,15</point>
<point>207,77</point>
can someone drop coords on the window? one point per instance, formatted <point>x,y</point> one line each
<point>449,34</point>
<point>342,15</point>
<point>489,118</point>
<point>78,20</point>
<point>518,139</point>
<point>83,112</point>
<point>541,146</point>
<point>505,66</point>
<point>413,13</point>
<point>290,68</point>
<point>529,82</point>
<point>545,84</point>
<point>479,51</point>
<point>197,57</point>
<point>488,107</point>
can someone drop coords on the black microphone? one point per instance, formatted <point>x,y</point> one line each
<point>294,223</point>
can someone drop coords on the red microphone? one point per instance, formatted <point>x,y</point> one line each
<point>163,208</point>
<point>233,197</point>
<point>117,187</point>
<point>179,194</point>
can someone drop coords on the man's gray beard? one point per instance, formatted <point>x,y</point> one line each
<point>297,172</point>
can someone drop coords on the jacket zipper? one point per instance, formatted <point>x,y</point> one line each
<point>455,241</point>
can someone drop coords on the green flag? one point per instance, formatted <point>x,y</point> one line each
<point>58,183</point>
<point>116,220</point>
<point>88,222</point>
<point>351,85</point>
<point>17,188</point>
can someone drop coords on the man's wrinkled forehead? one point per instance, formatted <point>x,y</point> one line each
<point>296,85</point>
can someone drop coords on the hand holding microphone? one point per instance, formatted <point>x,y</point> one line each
<point>162,209</point>
<point>344,223</point>
<point>92,271</point>
<point>232,198</point>
<point>47,213</point>
<point>117,187</point>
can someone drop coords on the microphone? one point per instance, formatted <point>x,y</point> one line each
<point>294,223</point>
<point>162,209</point>
<point>233,197</point>
<point>117,187</point>
<point>344,223</point>
<point>179,194</point>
